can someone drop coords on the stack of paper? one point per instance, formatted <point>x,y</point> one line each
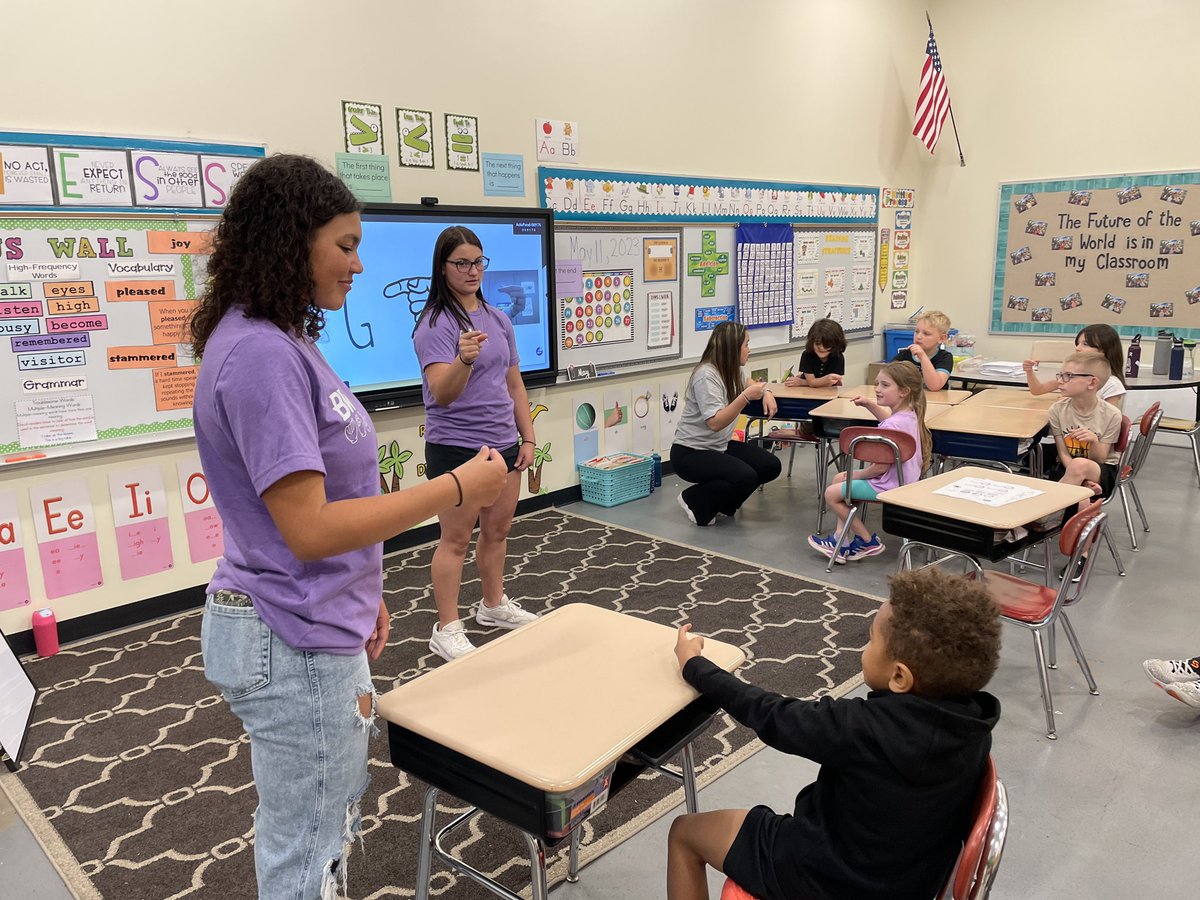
<point>1001,367</point>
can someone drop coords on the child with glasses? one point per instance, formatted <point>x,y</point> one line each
<point>1102,339</point>
<point>1084,428</point>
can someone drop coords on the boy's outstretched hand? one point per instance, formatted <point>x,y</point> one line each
<point>687,647</point>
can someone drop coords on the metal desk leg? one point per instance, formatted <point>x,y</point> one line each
<point>425,851</point>
<point>537,866</point>
<point>573,856</point>
<point>822,478</point>
<point>687,766</point>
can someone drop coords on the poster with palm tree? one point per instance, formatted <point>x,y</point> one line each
<point>541,456</point>
<point>391,462</point>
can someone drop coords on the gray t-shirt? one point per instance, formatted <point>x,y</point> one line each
<point>703,399</point>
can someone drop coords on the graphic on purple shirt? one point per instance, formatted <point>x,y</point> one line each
<point>483,412</point>
<point>267,404</point>
<point>905,421</point>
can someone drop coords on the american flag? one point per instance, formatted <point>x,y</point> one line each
<point>933,99</point>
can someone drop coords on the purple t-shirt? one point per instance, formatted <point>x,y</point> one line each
<point>906,421</point>
<point>483,412</point>
<point>267,404</point>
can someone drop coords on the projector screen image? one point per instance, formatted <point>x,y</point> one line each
<point>369,341</point>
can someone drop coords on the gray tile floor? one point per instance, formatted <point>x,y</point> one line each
<point>1100,813</point>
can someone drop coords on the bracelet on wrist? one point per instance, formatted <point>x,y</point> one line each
<point>528,441</point>
<point>469,365</point>
<point>457,484</point>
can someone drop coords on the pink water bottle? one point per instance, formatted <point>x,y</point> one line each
<point>45,632</point>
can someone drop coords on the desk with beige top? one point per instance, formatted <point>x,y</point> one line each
<point>994,433</point>
<point>941,398</point>
<point>968,528</point>
<point>541,727</point>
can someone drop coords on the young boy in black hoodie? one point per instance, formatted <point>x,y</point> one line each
<point>900,770</point>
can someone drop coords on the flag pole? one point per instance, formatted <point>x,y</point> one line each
<point>950,104</point>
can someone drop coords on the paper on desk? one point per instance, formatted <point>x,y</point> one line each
<point>987,492</point>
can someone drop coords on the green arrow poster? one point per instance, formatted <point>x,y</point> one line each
<point>414,132</point>
<point>363,126</point>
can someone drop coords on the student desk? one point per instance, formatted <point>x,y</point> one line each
<point>541,726</point>
<point>1144,381</point>
<point>974,431</point>
<point>793,402</point>
<point>942,398</point>
<point>965,527</point>
<point>1011,399</point>
<point>844,410</point>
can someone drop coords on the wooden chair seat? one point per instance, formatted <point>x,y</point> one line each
<point>1168,423</point>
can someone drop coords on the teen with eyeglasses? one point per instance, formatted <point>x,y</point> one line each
<point>474,396</point>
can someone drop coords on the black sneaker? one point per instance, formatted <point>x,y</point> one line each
<point>1078,576</point>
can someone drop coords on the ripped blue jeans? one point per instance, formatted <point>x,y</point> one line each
<point>309,717</point>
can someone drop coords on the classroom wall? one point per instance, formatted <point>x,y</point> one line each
<point>773,90</point>
<point>1043,90</point>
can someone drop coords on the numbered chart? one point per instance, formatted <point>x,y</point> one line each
<point>602,314</point>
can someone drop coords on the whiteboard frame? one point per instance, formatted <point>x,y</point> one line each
<point>8,657</point>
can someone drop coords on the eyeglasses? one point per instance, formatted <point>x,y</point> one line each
<point>466,265</point>
<point>1064,377</point>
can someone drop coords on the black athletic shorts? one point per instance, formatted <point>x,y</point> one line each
<point>441,458</point>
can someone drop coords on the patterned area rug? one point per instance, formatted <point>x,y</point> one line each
<point>137,776</point>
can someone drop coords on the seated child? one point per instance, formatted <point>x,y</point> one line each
<point>900,769</point>
<point>1102,339</point>
<point>1084,428</point>
<point>899,405</point>
<point>928,350</point>
<point>822,364</point>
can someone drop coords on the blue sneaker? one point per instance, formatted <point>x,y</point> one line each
<point>860,549</point>
<point>824,546</point>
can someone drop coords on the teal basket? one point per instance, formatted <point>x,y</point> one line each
<point>612,487</point>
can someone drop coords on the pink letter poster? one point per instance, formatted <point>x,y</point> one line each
<point>139,506</point>
<point>14,577</point>
<point>66,534</point>
<point>206,536</point>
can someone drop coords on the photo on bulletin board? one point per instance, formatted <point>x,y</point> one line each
<point>643,421</point>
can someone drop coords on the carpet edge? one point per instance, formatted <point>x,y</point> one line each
<point>56,850</point>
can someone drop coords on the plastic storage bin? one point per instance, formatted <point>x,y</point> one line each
<point>619,484</point>
<point>897,337</point>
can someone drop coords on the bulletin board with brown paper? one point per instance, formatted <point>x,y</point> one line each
<point>1123,250</point>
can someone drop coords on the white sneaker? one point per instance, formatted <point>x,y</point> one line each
<point>1187,692</point>
<point>450,642</point>
<point>507,614</point>
<point>1167,671</point>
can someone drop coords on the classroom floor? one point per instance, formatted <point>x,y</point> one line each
<point>1099,813</point>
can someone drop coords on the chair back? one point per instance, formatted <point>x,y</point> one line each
<point>875,445</point>
<point>1122,443</point>
<point>1051,351</point>
<point>1147,430</point>
<point>1078,537</point>
<point>979,859</point>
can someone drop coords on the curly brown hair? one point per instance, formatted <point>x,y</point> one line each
<point>946,629</point>
<point>828,334</point>
<point>261,246</point>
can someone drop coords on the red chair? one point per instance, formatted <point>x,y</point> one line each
<point>1039,608</point>
<point>979,858</point>
<point>871,445</point>
<point>978,861</point>
<point>1131,464</point>
<point>1122,446</point>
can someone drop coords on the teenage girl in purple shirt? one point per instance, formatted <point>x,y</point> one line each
<point>295,606</point>
<point>474,395</point>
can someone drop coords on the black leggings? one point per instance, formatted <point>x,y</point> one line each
<point>722,481</point>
